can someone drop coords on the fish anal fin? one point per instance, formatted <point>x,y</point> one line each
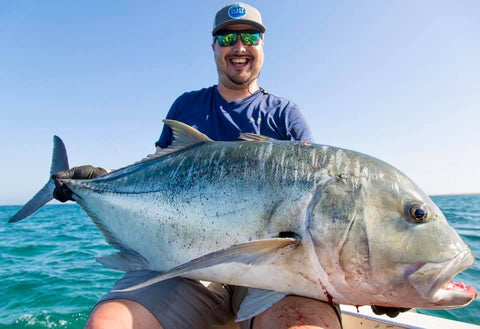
<point>253,252</point>
<point>257,301</point>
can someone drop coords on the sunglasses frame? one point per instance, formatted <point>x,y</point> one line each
<point>237,33</point>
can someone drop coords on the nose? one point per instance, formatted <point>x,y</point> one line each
<point>239,47</point>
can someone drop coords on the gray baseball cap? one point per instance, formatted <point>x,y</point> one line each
<point>237,13</point>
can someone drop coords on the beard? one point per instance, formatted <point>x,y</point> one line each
<point>239,81</point>
<point>242,81</point>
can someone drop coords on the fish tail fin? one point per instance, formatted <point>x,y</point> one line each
<point>59,163</point>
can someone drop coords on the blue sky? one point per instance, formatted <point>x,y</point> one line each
<point>399,80</point>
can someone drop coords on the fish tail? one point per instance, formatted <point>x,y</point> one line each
<point>59,163</point>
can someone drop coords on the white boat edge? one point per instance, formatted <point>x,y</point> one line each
<point>366,319</point>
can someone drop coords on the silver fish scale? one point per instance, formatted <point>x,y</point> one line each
<point>283,163</point>
<point>203,204</point>
<point>235,192</point>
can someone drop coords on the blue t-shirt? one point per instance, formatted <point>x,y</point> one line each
<point>260,113</point>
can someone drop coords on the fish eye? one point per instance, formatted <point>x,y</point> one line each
<point>418,213</point>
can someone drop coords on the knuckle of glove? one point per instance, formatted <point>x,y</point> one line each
<point>88,172</point>
<point>392,312</point>
<point>377,310</point>
<point>61,192</point>
<point>63,174</point>
<point>82,172</point>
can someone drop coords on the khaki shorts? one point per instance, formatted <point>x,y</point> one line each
<point>181,303</point>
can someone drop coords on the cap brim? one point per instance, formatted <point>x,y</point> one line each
<point>260,27</point>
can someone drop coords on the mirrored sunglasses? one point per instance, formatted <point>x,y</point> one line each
<point>229,38</point>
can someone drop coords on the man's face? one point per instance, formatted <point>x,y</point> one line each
<point>238,65</point>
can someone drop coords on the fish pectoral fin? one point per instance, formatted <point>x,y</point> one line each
<point>250,137</point>
<point>257,301</point>
<point>124,261</point>
<point>252,252</point>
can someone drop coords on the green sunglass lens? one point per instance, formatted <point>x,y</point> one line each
<point>227,39</point>
<point>250,39</point>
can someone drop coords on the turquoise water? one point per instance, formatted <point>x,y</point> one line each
<point>50,279</point>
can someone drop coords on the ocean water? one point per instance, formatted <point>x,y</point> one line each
<point>49,277</point>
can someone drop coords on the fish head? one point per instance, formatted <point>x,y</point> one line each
<point>381,240</point>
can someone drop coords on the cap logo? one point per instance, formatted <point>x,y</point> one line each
<point>237,11</point>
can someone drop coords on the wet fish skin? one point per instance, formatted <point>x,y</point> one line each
<point>309,220</point>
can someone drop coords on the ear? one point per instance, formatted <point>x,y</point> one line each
<point>213,46</point>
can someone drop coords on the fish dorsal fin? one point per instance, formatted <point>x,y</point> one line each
<point>183,137</point>
<point>249,137</point>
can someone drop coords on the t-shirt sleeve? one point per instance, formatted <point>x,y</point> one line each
<point>297,126</point>
<point>166,137</point>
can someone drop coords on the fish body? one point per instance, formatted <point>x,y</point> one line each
<point>291,217</point>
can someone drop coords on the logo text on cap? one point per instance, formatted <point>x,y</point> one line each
<point>237,11</point>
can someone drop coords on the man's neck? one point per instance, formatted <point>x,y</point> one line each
<point>231,95</point>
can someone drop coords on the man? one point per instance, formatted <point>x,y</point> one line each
<point>237,104</point>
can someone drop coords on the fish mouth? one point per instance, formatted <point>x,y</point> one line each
<point>432,281</point>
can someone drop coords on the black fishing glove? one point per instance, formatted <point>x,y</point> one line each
<point>62,193</point>
<point>390,311</point>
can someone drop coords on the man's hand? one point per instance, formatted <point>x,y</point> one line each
<point>390,311</point>
<point>63,193</point>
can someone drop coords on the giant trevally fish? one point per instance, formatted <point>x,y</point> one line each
<point>281,216</point>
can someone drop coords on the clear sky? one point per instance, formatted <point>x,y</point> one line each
<point>399,80</point>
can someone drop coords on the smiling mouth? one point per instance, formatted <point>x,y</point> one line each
<point>239,62</point>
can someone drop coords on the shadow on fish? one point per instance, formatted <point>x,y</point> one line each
<point>287,217</point>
